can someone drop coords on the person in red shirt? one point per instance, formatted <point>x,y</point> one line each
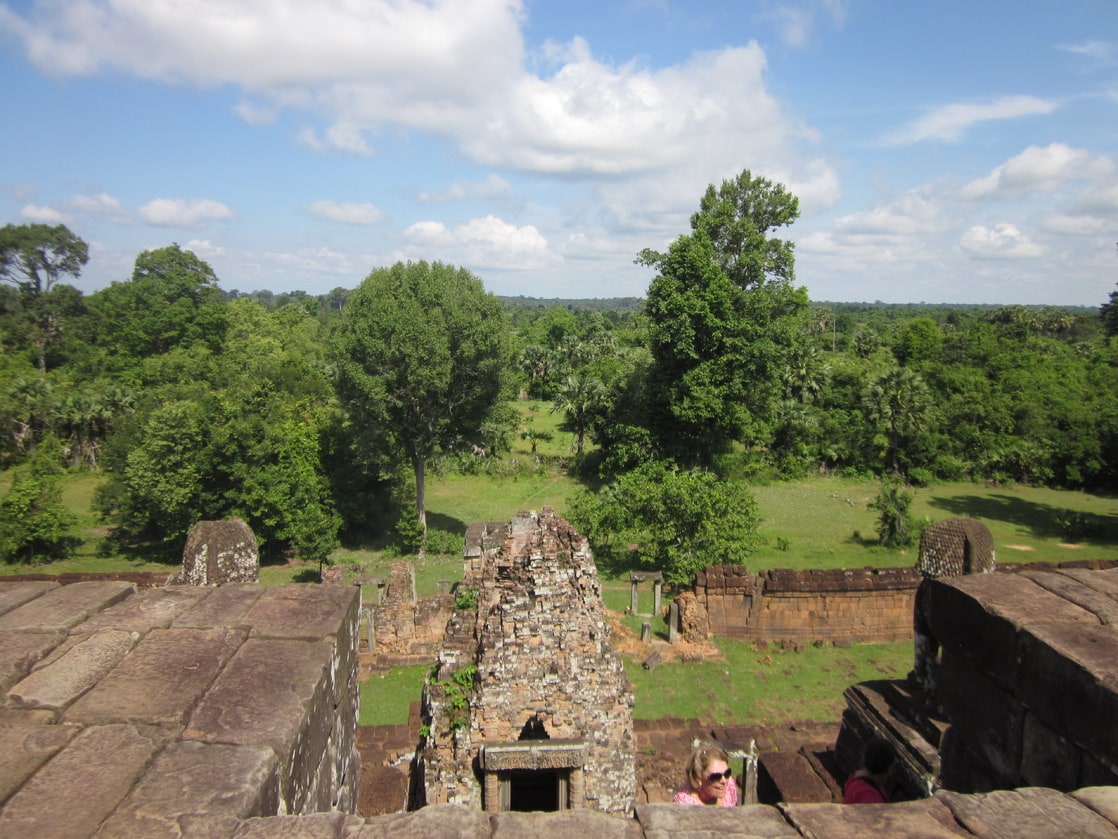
<point>868,785</point>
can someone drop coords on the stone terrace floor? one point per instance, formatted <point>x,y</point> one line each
<point>187,712</point>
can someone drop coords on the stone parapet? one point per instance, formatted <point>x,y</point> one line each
<point>173,711</point>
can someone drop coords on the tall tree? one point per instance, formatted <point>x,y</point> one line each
<point>1109,314</point>
<point>421,352</point>
<point>722,315</point>
<point>172,300</point>
<point>33,258</point>
<point>898,400</point>
<point>577,397</point>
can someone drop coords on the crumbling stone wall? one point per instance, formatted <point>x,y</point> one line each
<point>536,645</point>
<point>404,625</point>
<point>868,605</point>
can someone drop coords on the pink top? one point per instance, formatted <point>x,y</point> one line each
<point>686,795</point>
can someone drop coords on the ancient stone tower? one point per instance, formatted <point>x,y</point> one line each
<point>529,707</point>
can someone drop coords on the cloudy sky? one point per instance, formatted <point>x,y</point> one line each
<point>942,151</point>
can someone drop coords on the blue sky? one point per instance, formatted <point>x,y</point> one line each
<point>943,152</point>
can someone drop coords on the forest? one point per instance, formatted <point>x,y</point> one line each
<point>317,418</point>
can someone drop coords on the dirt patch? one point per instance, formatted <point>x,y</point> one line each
<point>1019,547</point>
<point>628,643</point>
<point>1070,547</point>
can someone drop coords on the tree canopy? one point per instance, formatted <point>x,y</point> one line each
<point>421,355</point>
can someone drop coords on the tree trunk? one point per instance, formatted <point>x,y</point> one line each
<point>419,463</point>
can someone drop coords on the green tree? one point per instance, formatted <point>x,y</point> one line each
<point>683,520</point>
<point>1109,314</point>
<point>421,352</point>
<point>34,521</point>
<point>895,527</point>
<point>33,258</point>
<point>172,300</point>
<point>577,398</point>
<point>897,401</point>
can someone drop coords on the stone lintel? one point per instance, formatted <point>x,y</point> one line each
<point>646,576</point>
<point>533,754</point>
<point>66,606</point>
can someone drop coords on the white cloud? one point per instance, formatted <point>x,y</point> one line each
<point>487,242</point>
<point>1100,53</point>
<point>339,138</point>
<point>168,212</point>
<point>364,213</point>
<point>948,123</point>
<point>42,215</point>
<point>796,22</point>
<point>204,248</point>
<point>1036,169</point>
<point>322,260</point>
<point>102,204</point>
<point>1003,241</point>
<point>1073,225</point>
<point>912,215</point>
<point>255,114</point>
<point>493,186</point>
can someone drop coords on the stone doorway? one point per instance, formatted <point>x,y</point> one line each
<point>529,791</point>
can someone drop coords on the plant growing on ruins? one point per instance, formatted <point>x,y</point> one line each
<point>456,692</point>
<point>465,598</point>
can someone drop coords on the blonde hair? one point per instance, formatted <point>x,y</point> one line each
<point>702,756</point>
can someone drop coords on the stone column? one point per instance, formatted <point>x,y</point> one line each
<point>659,585</point>
<point>646,633</point>
<point>577,789</point>
<point>492,792</point>
<point>673,623</point>
<point>632,596</point>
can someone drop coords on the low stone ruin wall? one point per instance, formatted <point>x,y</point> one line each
<point>866,605</point>
<point>404,625</point>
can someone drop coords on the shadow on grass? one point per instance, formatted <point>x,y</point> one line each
<point>1043,521</point>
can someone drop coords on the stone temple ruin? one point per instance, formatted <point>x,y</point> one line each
<point>529,707</point>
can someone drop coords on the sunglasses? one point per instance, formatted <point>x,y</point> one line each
<point>715,777</point>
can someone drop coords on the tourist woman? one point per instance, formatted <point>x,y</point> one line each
<point>709,781</point>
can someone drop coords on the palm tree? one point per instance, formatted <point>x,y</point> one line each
<point>899,400</point>
<point>576,397</point>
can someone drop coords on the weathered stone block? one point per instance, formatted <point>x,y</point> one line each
<point>145,610</point>
<point>1082,660</point>
<point>26,743</point>
<point>322,826</point>
<point>1103,800</point>
<point>928,819</point>
<point>161,680</point>
<point>1047,813</point>
<point>440,821</point>
<point>67,676</point>
<point>1047,759</point>
<point>61,608</point>
<point>81,786</point>
<point>220,552</point>
<point>209,787</point>
<point>14,595</point>
<point>23,650</point>
<point>669,821</point>
<point>570,824</point>
<point>226,606</point>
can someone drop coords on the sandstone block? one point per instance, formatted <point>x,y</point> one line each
<point>220,552</point>
<point>927,819</point>
<point>1047,759</point>
<point>1047,813</point>
<point>13,595</point>
<point>322,826</point>
<point>153,608</point>
<point>225,606</point>
<point>1083,661</point>
<point>26,743</point>
<point>161,680</point>
<point>669,821</point>
<point>21,651</point>
<point>1103,800</point>
<point>1100,603</point>
<point>193,789</point>
<point>569,824</point>
<point>307,612</point>
<point>81,786</point>
<point>61,608</point>
<point>66,677</point>
<point>439,821</point>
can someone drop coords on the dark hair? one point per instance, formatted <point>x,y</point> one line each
<point>878,756</point>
